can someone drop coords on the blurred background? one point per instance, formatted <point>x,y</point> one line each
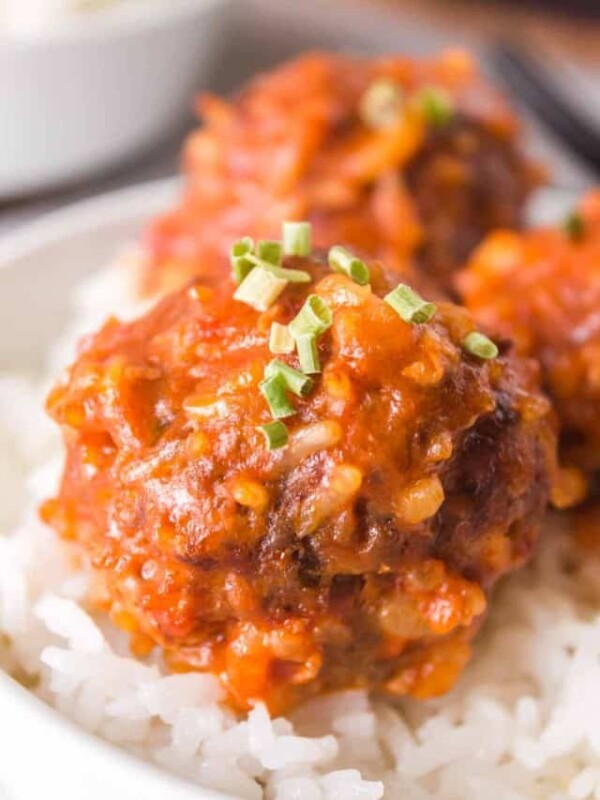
<point>98,94</point>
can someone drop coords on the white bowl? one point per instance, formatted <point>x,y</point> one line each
<point>43,754</point>
<point>84,96</point>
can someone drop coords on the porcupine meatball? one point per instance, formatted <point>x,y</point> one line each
<point>302,486</point>
<point>542,288</point>
<point>409,161</point>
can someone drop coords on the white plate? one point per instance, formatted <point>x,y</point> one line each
<point>38,268</point>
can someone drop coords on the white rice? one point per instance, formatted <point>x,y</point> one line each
<point>523,724</point>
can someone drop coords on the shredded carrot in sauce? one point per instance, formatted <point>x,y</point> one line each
<point>295,144</point>
<point>359,548</point>
<point>542,289</point>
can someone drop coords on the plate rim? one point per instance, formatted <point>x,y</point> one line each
<point>81,215</point>
<point>35,711</point>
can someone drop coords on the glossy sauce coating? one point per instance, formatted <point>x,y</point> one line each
<point>297,144</point>
<point>542,288</point>
<point>362,553</point>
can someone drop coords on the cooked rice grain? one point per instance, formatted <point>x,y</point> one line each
<point>523,724</point>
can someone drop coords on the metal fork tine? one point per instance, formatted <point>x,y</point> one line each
<point>528,81</point>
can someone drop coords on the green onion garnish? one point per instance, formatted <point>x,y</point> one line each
<point>291,275</point>
<point>341,260</point>
<point>280,339</point>
<point>436,104</point>
<point>274,391</point>
<point>275,433</point>
<point>409,305</point>
<point>295,381</point>
<point>240,265</point>
<point>479,345</point>
<point>297,238</point>
<point>308,354</point>
<point>313,319</point>
<point>382,104</point>
<point>270,252</point>
<point>260,288</point>
<point>574,226</point>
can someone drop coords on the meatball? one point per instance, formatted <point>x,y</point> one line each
<point>542,288</point>
<point>299,533</point>
<point>408,161</point>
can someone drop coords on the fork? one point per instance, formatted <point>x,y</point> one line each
<point>528,78</point>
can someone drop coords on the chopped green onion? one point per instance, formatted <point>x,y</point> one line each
<point>275,433</point>
<point>269,251</point>
<point>479,345</point>
<point>291,275</point>
<point>409,305</point>
<point>574,226</point>
<point>382,104</point>
<point>260,288</point>
<point>341,260</point>
<point>313,319</point>
<point>295,381</point>
<point>240,264</point>
<point>297,238</point>
<point>274,391</point>
<point>280,339</point>
<point>308,354</point>
<point>436,105</point>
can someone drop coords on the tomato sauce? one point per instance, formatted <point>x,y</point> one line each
<point>360,554</point>
<point>542,288</point>
<point>301,143</point>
